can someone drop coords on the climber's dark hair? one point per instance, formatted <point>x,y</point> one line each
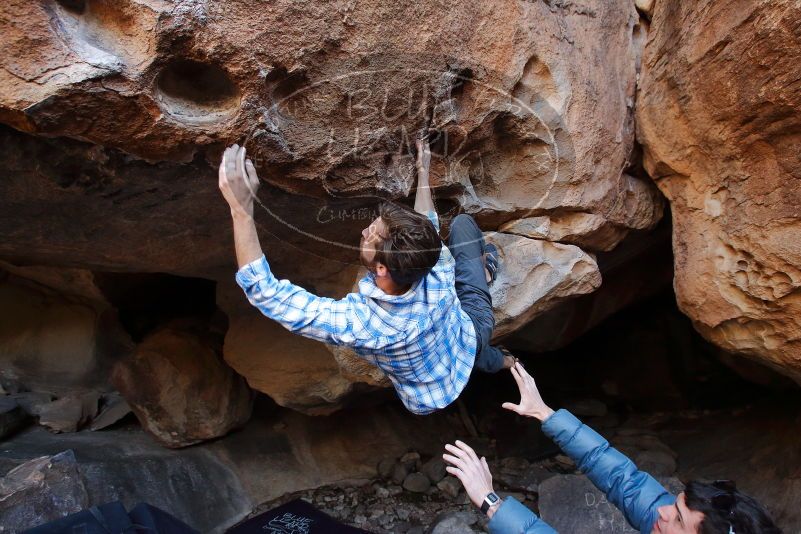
<point>412,245</point>
<point>726,509</point>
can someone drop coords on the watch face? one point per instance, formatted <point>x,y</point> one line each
<point>489,501</point>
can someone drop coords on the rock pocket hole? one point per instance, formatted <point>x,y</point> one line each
<point>196,92</point>
<point>76,6</point>
<point>110,33</point>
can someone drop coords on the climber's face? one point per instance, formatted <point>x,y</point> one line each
<point>372,237</point>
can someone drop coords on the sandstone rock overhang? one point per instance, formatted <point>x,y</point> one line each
<point>117,113</point>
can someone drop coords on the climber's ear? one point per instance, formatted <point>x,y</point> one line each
<point>381,270</point>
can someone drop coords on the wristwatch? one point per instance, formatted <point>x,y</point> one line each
<point>489,501</point>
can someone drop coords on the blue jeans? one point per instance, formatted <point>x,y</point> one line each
<point>466,244</point>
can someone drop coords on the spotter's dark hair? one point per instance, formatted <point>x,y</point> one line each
<point>411,246</point>
<point>727,510</point>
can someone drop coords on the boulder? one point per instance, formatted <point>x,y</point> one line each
<point>416,483</point>
<point>534,276</point>
<point>58,334</point>
<point>12,416</point>
<point>528,124</point>
<point>517,474</point>
<point>571,503</point>
<point>534,119</point>
<point>586,407</point>
<point>181,390</point>
<point>453,523</point>
<point>298,373</point>
<point>70,413</point>
<point>399,473</point>
<point>41,490</point>
<point>294,371</point>
<point>116,114</point>
<point>718,115</point>
<point>434,469</point>
<point>113,409</point>
<point>385,468</point>
<point>656,463</point>
<point>450,486</point>
<point>637,206</point>
<point>411,461</point>
<point>32,402</point>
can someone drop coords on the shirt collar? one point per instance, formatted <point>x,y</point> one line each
<point>368,288</point>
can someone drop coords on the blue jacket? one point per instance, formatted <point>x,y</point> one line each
<point>636,494</point>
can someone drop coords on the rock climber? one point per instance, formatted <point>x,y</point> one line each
<point>422,314</point>
<point>717,508</point>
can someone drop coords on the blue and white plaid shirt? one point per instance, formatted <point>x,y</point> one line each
<point>422,340</point>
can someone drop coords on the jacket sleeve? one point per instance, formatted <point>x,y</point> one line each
<point>340,322</point>
<point>514,518</point>
<point>635,493</point>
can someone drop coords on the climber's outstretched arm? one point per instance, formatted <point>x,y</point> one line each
<point>239,183</point>
<point>423,203</point>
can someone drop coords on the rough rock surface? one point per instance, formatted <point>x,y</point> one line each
<point>70,413</point>
<point>41,490</point>
<point>118,113</point>
<point>534,276</point>
<point>271,456</point>
<point>636,206</point>
<point>181,390</point>
<point>529,126</point>
<point>12,416</point>
<point>58,334</point>
<point>571,503</point>
<point>718,115</point>
<point>296,372</point>
<point>113,408</point>
<point>127,465</point>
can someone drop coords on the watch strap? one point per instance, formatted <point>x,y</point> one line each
<point>489,501</point>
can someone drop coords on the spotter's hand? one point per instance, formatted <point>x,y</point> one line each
<point>531,403</point>
<point>472,471</point>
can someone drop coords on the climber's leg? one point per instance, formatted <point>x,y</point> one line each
<point>466,244</point>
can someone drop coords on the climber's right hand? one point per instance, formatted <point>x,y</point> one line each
<point>423,155</point>
<point>238,180</point>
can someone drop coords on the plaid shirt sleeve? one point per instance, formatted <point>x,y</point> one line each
<point>341,322</point>
<point>434,218</point>
<point>446,264</point>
